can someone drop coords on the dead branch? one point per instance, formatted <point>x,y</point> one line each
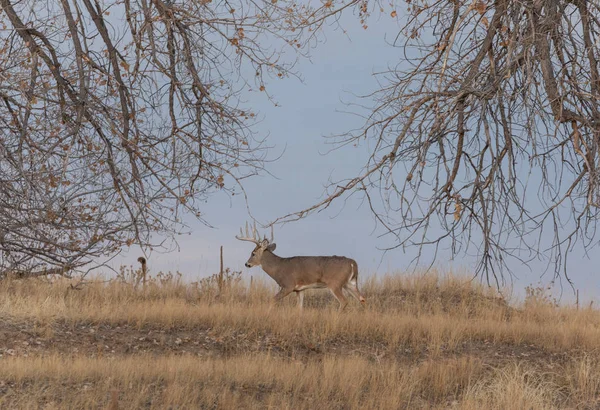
<point>487,138</point>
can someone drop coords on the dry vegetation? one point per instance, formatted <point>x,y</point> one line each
<point>423,341</point>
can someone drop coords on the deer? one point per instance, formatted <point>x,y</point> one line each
<point>298,273</point>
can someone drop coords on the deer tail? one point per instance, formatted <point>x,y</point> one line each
<point>354,270</point>
<point>354,279</point>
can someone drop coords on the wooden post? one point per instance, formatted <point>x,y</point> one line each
<point>142,262</point>
<point>114,400</point>
<point>221,273</point>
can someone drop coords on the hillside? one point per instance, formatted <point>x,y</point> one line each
<point>422,342</point>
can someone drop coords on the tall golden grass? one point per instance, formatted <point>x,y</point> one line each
<point>423,341</point>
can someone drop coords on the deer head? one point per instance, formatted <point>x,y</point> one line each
<point>261,245</point>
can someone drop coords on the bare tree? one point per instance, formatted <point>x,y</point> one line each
<point>486,136</point>
<point>118,116</point>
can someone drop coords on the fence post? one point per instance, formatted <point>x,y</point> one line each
<point>114,400</point>
<point>221,272</point>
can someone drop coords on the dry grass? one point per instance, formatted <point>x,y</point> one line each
<point>433,341</point>
<point>238,382</point>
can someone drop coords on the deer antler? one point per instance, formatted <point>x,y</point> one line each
<point>255,238</point>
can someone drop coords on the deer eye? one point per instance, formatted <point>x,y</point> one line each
<point>253,253</point>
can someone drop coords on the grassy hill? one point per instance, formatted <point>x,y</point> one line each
<point>423,341</point>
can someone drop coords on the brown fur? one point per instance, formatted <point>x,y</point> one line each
<point>298,273</point>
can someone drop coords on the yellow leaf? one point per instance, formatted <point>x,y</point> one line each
<point>457,211</point>
<point>480,7</point>
<point>262,88</point>
<point>393,13</point>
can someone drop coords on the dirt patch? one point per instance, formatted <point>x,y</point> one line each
<point>25,339</point>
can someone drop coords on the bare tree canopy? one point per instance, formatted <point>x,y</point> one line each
<point>486,137</point>
<point>117,116</point>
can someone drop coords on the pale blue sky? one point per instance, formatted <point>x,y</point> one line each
<point>340,67</point>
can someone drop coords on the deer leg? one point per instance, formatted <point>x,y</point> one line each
<point>283,292</point>
<point>353,290</point>
<point>300,295</point>
<point>339,295</point>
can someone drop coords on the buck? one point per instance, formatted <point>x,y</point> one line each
<point>298,273</point>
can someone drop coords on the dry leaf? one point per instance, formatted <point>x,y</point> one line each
<point>480,7</point>
<point>457,211</point>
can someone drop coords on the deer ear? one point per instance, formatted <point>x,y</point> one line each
<point>271,247</point>
<point>264,244</point>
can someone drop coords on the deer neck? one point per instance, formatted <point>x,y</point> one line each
<point>271,265</point>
